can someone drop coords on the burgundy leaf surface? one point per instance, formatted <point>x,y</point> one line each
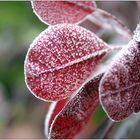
<point>75,114</point>
<point>54,12</point>
<point>120,86</point>
<point>54,109</point>
<point>60,59</point>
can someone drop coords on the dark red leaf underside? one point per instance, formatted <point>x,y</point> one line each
<point>77,111</point>
<point>120,86</point>
<point>60,59</point>
<point>55,12</point>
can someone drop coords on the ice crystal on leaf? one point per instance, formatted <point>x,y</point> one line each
<point>120,86</point>
<point>55,12</point>
<point>60,59</point>
<point>137,33</point>
<point>76,112</point>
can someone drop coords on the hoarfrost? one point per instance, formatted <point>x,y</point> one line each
<point>55,12</point>
<point>120,86</point>
<point>75,114</point>
<point>63,59</point>
<point>137,33</point>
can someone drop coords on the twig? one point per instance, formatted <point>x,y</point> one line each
<point>104,129</point>
<point>108,129</point>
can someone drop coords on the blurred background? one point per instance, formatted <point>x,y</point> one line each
<point>21,114</point>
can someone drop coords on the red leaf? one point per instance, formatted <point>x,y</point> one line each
<point>54,12</point>
<point>120,86</point>
<point>75,114</point>
<point>54,109</point>
<point>60,59</point>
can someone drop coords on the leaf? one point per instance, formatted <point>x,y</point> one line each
<point>77,111</point>
<point>54,109</point>
<point>120,86</point>
<point>55,12</point>
<point>106,20</point>
<point>61,59</point>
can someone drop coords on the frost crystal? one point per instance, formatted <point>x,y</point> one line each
<point>60,59</point>
<point>54,12</point>
<point>120,86</point>
<point>137,33</point>
<point>75,114</point>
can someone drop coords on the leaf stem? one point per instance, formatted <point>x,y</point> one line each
<point>104,129</point>
<point>108,129</point>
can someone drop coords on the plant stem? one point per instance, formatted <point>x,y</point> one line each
<point>104,129</point>
<point>108,129</point>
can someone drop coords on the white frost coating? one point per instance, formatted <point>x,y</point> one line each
<point>101,68</point>
<point>67,18</point>
<point>125,56</point>
<point>119,54</point>
<point>92,75</point>
<point>94,54</point>
<point>47,118</point>
<point>86,57</point>
<point>59,47</point>
<point>137,33</point>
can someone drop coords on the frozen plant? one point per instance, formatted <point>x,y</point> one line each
<point>64,65</point>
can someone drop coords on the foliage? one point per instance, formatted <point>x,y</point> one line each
<point>18,27</point>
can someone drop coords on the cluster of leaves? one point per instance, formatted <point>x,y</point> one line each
<point>62,65</point>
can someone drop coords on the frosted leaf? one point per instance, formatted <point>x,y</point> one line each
<point>60,59</point>
<point>75,114</point>
<point>55,12</point>
<point>54,109</point>
<point>120,86</point>
<point>106,20</point>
